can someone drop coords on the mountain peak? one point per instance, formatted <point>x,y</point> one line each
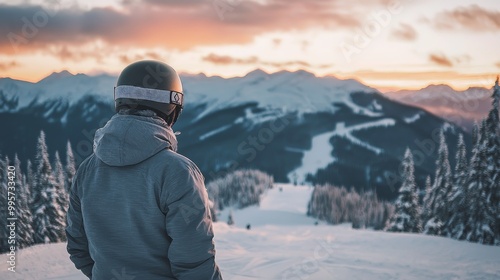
<point>257,73</point>
<point>438,87</point>
<point>298,73</point>
<point>57,75</point>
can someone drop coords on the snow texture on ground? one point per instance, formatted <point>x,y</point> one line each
<point>285,244</point>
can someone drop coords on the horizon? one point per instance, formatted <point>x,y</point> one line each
<point>382,90</point>
<point>388,45</point>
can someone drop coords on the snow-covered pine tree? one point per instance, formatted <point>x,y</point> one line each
<point>406,217</point>
<point>437,202</point>
<point>70,166</point>
<point>48,217</point>
<point>493,157</point>
<point>62,195</point>
<point>23,212</point>
<point>4,233</point>
<point>424,211</point>
<point>458,196</point>
<point>479,215</point>
<point>30,175</point>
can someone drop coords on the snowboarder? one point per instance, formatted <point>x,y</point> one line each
<point>137,208</point>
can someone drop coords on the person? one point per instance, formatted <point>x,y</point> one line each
<point>138,209</point>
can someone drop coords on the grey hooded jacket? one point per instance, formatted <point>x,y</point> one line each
<point>139,210</point>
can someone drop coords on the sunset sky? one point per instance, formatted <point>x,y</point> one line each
<point>383,43</point>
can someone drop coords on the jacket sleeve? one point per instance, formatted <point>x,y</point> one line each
<point>77,246</point>
<point>189,225</point>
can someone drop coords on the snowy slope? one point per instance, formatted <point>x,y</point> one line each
<point>319,156</point>
<point>460,107</point>
<point>284,244</point>
<point>59,86</point>
<point>283,91</point>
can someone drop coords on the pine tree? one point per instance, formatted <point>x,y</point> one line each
<point>48,222</point>
<point>480,216</point>
<point>437,200</point>
<point>23,213</point>
<point>458,195</point>
<point>493,157</point>
<point>62,195</point>
<point>70,166</point>
<point>30,175</point>
<point>428,186</point>
<point>406,217</point>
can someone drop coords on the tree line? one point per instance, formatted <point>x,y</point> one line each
<point>337,205</point>
<point>463,203</point>
<point>41,197</point>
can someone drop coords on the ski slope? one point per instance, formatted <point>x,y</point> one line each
<point>320,154</point>
<point>285,244</point>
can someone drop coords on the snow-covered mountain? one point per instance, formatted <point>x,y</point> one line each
<point>283,243</point>
<point>293,125</point>
<point>462,108</point>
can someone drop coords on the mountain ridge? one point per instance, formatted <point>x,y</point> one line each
<point>272,122</point>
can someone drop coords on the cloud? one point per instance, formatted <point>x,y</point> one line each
<point>472,18</point>
<point>8,65</point>
<point>462,59</point>
<point>440,59</point>
<point>423,78</point>
<point>497,64</point>
<point>77,54</point>
<point>173,24</point>
<point>253,60</point>
<point>225,59</point>
<point>405,32</point>
<point>127,59</point>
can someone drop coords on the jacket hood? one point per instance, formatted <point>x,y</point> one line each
<point>130,139</point>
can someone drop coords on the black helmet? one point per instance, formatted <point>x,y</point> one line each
<point>150,85</point>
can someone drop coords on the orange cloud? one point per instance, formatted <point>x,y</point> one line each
<point>253,60</point>
<point>405,32</point>
<point>225,59</point>
<point>149,55</point>
<point>165,24</point>
<point>440,59</point>
<point>7,65</point>
<point>407,80</point>
<point>473,18</point>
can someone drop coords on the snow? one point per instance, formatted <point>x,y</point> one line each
<point>361,110</point>
<point>318,157</point>
<point>320,154</point>
<point>270,114</point>
<point>346,132</point>
<point>284,244</point>
<point>62,85</point>
<point>286,91</point>
<point>214,132</point>
<point>275,208</point>
<point>440,92</point>
<point>413,118</point>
